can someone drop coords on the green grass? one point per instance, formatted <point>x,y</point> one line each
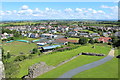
<point>74,38</point>
<point>98,25</point>
<point>30,39</point>
<point>106,70</point>
<point>79,61</point>
<point>16,47</point>
<point>87,31</point>
<point>58,57</point>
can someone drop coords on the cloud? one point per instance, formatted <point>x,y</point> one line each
<point>109,7</point>
<point>2,13</point>
<point>24,7</point>
<point>114,9</point>
<point>68,10</point>
<point>49,13</point>
<point>78,9</point>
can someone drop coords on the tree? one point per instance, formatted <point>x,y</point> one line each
<point>91,41</point>
<point>8,55</point>
<point>117,44</point>
<point>114,39</point>
<point>83,40</point>
<point>34,51</point>
<point>95,41</point>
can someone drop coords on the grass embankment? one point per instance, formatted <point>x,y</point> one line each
<point>106,70</point>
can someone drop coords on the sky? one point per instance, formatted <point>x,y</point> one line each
<point>59,10</point>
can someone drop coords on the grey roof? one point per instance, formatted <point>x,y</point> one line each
<point>51,47</point>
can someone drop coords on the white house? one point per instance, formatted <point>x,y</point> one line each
<point>49,36</point>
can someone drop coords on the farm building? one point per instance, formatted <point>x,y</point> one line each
<point>47,48</point>
<point>41,44</point>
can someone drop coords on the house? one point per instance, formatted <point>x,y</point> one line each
<point>6,35</point>
<point>105,34</point>
<point>48,36</point>
<point>72,34</point>
<point>104,39</point>
<point>94,34</point>
<point>64,41</point>
<point>117,34</point>
<point>83,34</point>
<point>33,35</point>
<point>53,31</point>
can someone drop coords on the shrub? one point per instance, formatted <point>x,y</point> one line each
<point>83,40</point>
<point>20,58</point>
<point>34,51</point>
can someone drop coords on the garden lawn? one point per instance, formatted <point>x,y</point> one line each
<point>73,38</point>
<point>87,31</point>
<point>58,57</point>
<point>30,39</point>
<point>106,70</point>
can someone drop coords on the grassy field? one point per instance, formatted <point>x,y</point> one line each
<point>16,47</point>
<point>106,70</point>
<point>79,61</point>
<point>98,25</point>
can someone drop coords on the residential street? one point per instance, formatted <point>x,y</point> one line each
<point>75,71</point>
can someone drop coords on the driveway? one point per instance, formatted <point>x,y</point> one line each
<point>77,70</point>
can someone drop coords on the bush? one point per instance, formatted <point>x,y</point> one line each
<point>11,69</point>
<point>30,56</point>
<point>8,55</point>
<point>20,58</point>
<point>91,41</point>
<point>34,51</point>
<point>83,40</point>
<point>4,39</point>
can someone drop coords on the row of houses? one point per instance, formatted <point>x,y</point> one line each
<point>65,41</point>
<point>78,34</point>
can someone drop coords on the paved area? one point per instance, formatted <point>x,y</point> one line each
<point>1,67</point>
<point>77,70</point>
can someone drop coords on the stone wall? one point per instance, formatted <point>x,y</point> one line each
<point>38,69</point>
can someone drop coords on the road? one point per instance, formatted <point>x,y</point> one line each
<point>1,66</point>
<point>77,70</point>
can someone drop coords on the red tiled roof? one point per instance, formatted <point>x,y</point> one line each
<point>104,39</point>
<point>62,40</point>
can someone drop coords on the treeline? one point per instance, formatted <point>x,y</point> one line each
<point>62,22</point>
